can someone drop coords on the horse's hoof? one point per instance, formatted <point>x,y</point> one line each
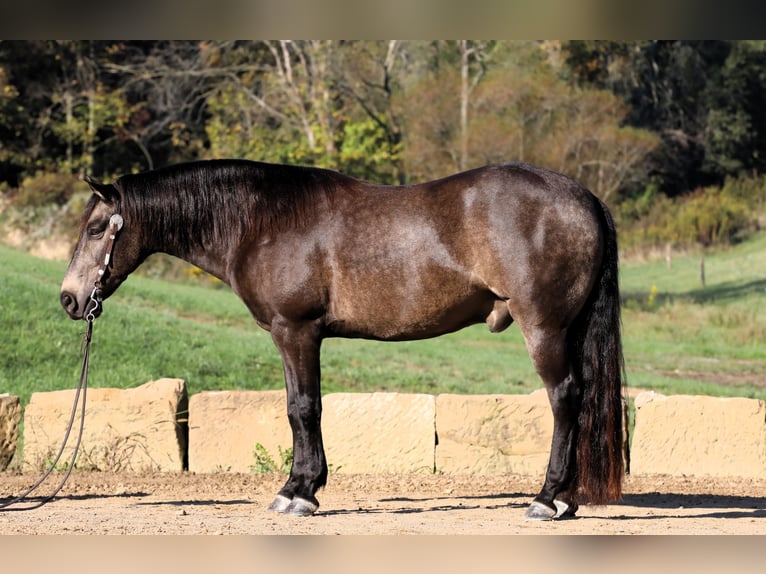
<point>280,504</point>
<point>301,507</point>
<point>538,511</point>
<point>564,510</point>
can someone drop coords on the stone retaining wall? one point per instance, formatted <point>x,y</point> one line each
<point>146,429</point>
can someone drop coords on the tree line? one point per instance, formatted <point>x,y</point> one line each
<point>633,121</point>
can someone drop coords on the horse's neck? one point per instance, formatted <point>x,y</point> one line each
<point>214,263</point>
<point>213,260</point>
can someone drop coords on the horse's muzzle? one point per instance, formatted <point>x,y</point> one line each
<point>75,310</point>
<point>69,303</point>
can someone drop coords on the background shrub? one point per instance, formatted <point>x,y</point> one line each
<point>44,188</point>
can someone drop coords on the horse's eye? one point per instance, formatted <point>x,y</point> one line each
<point>96,231</point>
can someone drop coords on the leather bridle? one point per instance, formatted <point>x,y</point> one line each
<point>115,224</point>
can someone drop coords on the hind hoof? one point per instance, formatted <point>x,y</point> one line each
<point>564,510</point>
<point>280,504</point>
<point>301,507</point>
<point>539,511</point>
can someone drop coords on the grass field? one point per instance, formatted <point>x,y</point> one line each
<point>678,338</point>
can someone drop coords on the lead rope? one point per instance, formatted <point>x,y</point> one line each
<point>82,387</point>
<point>115,224</point>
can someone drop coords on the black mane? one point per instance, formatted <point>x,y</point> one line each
<point>194,204</point>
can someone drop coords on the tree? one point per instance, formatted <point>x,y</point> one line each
<point>735,123</point>
<point>165,86</point>
<point>68,108</point>
<point>284,88</point>
<point>705,99</point>
<point>9,124</point>
<point>370,77</point>
<point>522,110</point>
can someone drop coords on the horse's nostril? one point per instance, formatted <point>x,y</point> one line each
<point>68,302</point>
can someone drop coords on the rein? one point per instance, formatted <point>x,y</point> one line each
<point>94,303</point>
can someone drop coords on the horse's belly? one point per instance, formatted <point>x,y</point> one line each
<point>399,317</point>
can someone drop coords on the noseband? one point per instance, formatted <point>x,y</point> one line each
<point>115,224</point>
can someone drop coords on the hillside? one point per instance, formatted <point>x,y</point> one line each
<point>679,338</point>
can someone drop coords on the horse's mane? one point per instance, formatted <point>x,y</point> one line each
<point>193,204</point>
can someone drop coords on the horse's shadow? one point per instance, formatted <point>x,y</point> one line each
<point>412,505</point>
<point>675,500</point>
<point>749,507</point>
<point>726,506</point>
<point>206,502</point>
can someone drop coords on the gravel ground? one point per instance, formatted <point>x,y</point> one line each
<point>188,503</point>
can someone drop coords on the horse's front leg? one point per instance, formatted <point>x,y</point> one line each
<point>299,344</point>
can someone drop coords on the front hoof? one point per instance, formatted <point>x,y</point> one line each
<point>539,511</point>
<point>301,507</point>
<point>280,504</point>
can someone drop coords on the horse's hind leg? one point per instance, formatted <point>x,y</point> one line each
<point>299,345</point>
<point>548,350</point>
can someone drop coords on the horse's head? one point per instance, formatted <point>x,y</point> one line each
<point>106,253</point>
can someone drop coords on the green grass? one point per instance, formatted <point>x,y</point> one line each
<point>679,339</point>
<point>683,338</point>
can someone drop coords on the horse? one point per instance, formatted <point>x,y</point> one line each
<point>314,254</point>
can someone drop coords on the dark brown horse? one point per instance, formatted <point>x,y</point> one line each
<point>315,254</point>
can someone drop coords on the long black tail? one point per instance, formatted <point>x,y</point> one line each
<point>596,338</point>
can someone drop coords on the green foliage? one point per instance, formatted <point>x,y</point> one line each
<point>712,216</point>
<point>523,111</point>
<point>234,129</point>
<point>705,99</point>
<point>46,206</point>
<point>709,217</point>
<point>44,188</point>
<point>265,464</point>
<point>736,118</point>
<point>366,152</point>
<point>690,113</point>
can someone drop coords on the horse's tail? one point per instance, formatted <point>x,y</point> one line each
<point>597,342</point>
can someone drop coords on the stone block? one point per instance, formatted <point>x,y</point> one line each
<point>226,426</point>
<point>10,417</point>
<point>699,436</point>
<point>379,432</point>
<point>493,434</point>
<point>138,429</point>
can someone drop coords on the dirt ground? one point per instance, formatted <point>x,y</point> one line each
<point>103,503</point>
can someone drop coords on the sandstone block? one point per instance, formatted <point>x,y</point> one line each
<point>225,426</point>
<point>138,429</point>
<point>699,436</point>
<point>10,416</point>
<point>379,432</point>
<point>493,434</point>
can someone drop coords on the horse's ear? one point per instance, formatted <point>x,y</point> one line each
<point>106,191</point>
